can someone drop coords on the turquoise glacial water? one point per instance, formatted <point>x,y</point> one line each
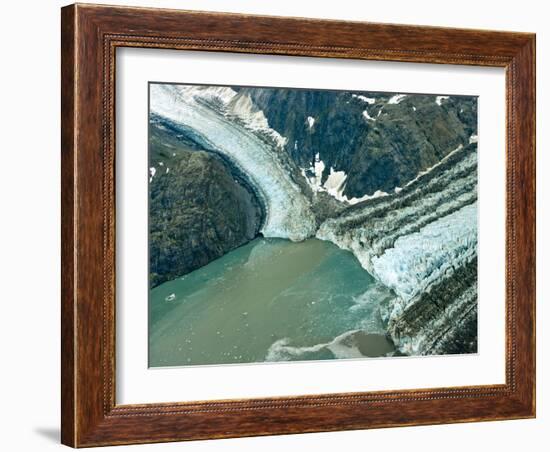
<point>270,300</point>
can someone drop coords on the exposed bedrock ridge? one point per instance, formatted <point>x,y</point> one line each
<point>199,208</point>
<point>228,123</point>
<point>442,320</point>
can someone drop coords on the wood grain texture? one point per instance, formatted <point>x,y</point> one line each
<point>90,36</point>
<point>67,226</point>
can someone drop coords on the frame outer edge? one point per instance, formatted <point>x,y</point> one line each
<point>68,230</point>
<point>525,62</point>
<point>534,226</point>
<point>86,418</point>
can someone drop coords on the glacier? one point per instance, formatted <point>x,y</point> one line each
<point>228,123</point>
<point>418,240</point>
<point>419,259</point>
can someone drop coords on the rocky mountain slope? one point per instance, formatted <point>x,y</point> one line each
<point>198,209</point>
<point>379,140</point>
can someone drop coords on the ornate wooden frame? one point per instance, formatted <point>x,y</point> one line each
<point>90,35</point>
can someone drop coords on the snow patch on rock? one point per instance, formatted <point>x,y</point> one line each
<point>397,98</point>
<point>427,170</point>
<point>440,99</point>
<point>367,116</point>
<point>368,100</point>
<point>334,184</point>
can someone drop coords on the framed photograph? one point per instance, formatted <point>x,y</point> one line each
<point>281,225</point>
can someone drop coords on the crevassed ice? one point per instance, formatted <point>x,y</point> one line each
<point>429,207</point>
<point>421,258</point>
<point>210,112</point>
<point>228,101</point>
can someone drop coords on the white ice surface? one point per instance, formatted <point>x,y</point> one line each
<point>419,259</point>
<point>440,99</point>
<point>368,100</point>
<point>397,98</point>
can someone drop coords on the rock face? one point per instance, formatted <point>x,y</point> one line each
<point>390,177</point>
<point>198,211</point>
<point>442,320</point>
<point>379,140</point>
